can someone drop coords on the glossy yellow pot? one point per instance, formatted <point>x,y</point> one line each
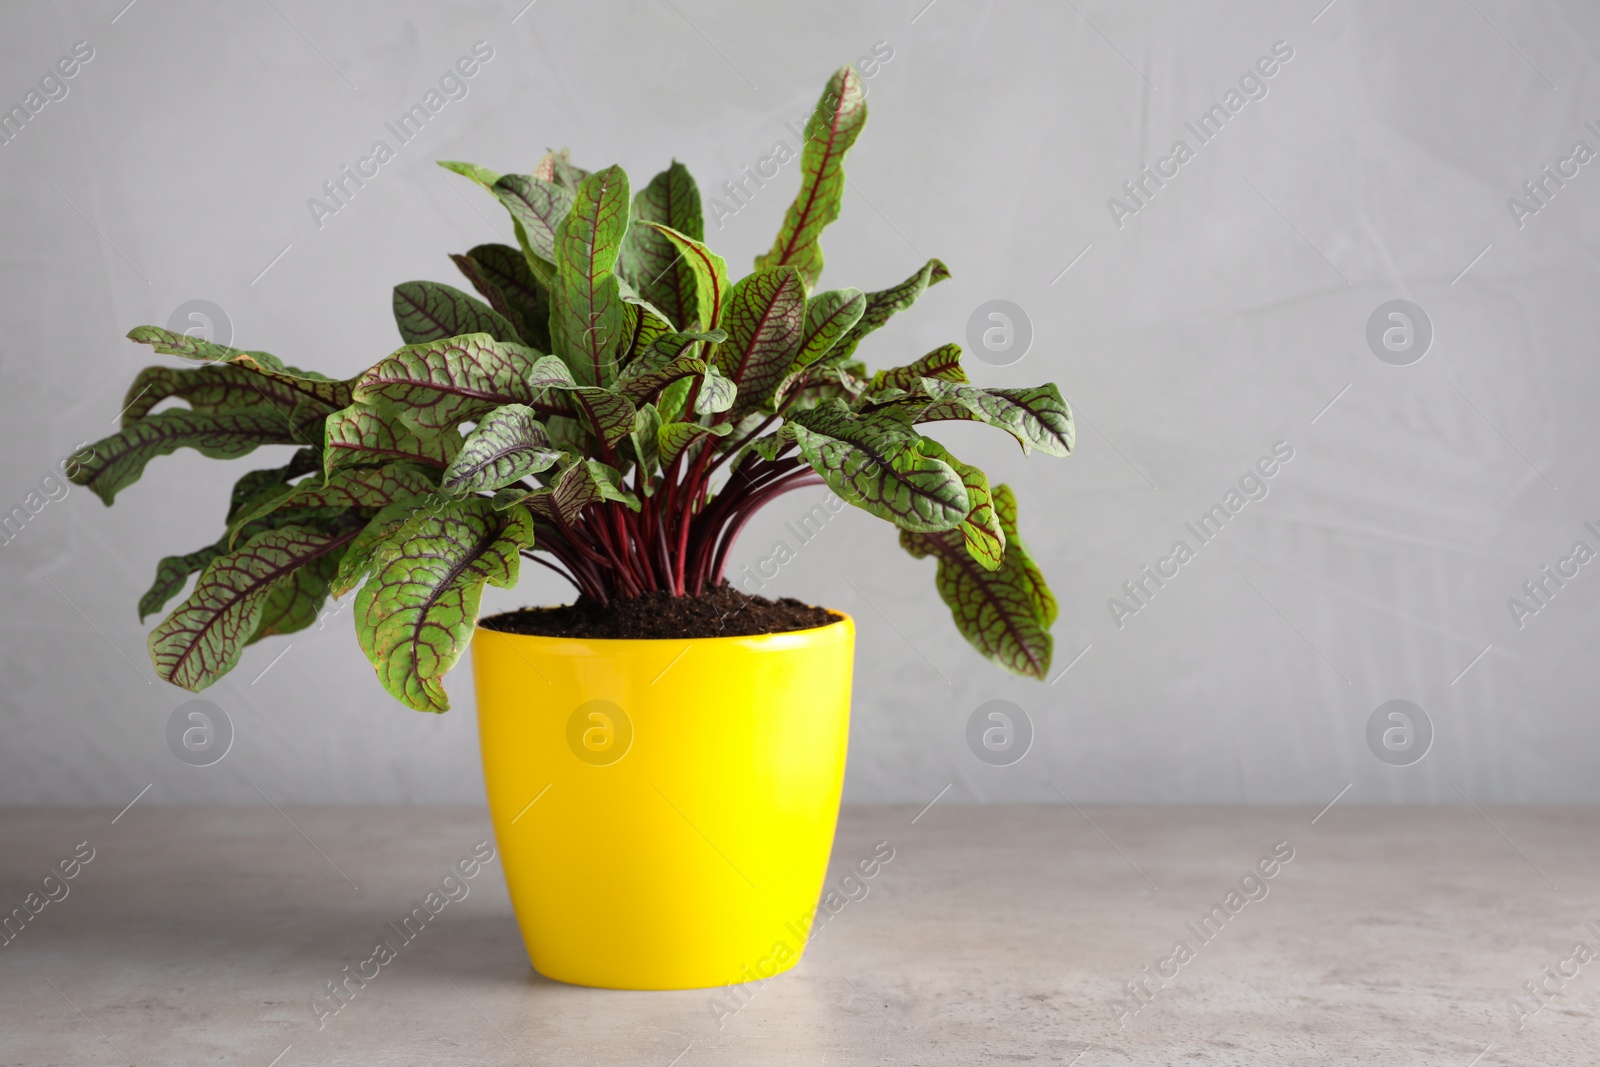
<point>664,809</point>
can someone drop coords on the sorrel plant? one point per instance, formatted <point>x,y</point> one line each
<point>614,408</point>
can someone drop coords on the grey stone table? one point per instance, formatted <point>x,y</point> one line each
<point>1390,936</point>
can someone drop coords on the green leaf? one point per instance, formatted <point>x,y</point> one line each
<point>765,320</point>
<point>588,327</point>
<point>644,323</point>
<point>579,485</point>
<point>643,439</point>
<point>829,381</point>
<point>943,364</point>
<point>415,614</point>
<point>769,446</point>
<point>253,484</point>
<point>670,358</point>
<point>881,466</point>
<point>210,389</point>
<point>649,258</point>
<point>308,384</point>
<point>501,274</point>
<point>172,574</point>
<point>1044,602</point>
<point>568,435</point>
<point>610,415</point>
<point>609,481</point>
<point>985,539</point>
<point>482,175</point>
<point>203,638</point>
<point>647,383</point>
<point>673,399</point>
<point>829,133</point>
<point>710,273</point>
<point>742,427</point>
<point>117,461</point>
<point>442,383</point>
<point>1036,415</point>
<point>557,167</point>
<point>882,305</point>
<point>429,311</point>
<point>538,206</point>
<point>829,316</point>
<point>376,537</point>
<point>673,438</point>
<point>508,444</point>
<point>295,601</point>
<point>716,393</point>
<point>357,487</point>
<point>1007,613</point>
<point>375,433</point>
<point>672,345</point>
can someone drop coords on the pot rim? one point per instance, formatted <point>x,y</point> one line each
<point>845,623</point>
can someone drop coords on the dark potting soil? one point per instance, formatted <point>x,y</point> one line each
<point>720,612</point>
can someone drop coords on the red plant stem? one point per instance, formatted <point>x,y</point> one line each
<point>541,561</point>
<point>696,483</point>
<point>640,547</point>
<point>669,486</point>
<point>746,439</point>
<point>680,579</point>
<point>595,580</point>
<point>580,543</point>
<point>668,574</point>
<point>748,480</point>
<point>594,559</point>
<point>744,480</point>
<point>647,546</point>
<point>587,578</point>
<point>623,551</point>
<point>694,390</point>
<point>628,543</point>
<point>680,539</point>
<point>735,525</point>
<point>769,489</point>
<point>615,557</point>
<point>710,523</point>
<point>694,502</point>
<point>605,523</point>
<point>628,537</point>
<point>643,522</point>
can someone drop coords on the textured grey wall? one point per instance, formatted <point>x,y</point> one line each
<point>1193,328</point>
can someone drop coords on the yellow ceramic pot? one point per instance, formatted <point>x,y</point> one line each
<point>664,809</point>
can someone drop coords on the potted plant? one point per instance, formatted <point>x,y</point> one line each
<point>664,757</point>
